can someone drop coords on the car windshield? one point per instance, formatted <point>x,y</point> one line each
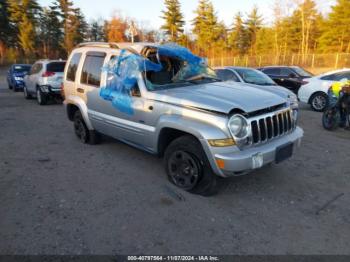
<point>176,67</point>
<point>255,77</point>
<point>302,72</point>
<point>21,68</point>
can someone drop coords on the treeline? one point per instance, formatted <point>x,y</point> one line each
<point>31,31</point>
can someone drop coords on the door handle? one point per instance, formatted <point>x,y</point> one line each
<point>80,90</point>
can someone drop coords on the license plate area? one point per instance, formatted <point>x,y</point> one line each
<point>284,152</point>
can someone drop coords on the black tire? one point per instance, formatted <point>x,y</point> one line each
<point>10,87</point>
<point>319,102</point>
<point>196,175</point>
<point>41,97</point>
<point>85,135</point>
<point>26,94</point>
<point>330,119</point>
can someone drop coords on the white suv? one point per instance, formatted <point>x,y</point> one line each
<point>44,80</point>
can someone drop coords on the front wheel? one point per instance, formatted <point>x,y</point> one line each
<point>330,119</point>
<point>188,168</point>
<point>26,94</point>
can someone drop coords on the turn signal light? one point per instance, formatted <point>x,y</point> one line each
<point>222,142</point>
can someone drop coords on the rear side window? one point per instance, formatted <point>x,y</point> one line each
<point>36,68</point>
<point>226,75</point>
<point>73,67</point>
<point>91,73</point>
<point>57,67</point>
<point>272,71</point>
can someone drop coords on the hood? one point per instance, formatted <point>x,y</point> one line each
<point>220,97</point>
<point>278,90</point>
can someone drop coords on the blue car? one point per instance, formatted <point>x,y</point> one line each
<point>15,76</point>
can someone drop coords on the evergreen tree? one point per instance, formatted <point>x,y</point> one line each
<point>174,20</point>
<point>25,14</point>
<point>51,35</point>
<point>253,25</point>
<point>80,27</point>
<point>7,36</point>
<point>96,31</point>
<point>66,13</point>
<point>237,39</point>
<point>336,29</point>
<point>209,32</point>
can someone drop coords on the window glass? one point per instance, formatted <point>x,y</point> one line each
<point>286,72</point>
<point>36,69</point>
<point>272,71</point>
<point>21,68</point>
<point>73,66</point>
<point>57,67</point>
<point>333,77</point>
<point>302,72</point>
<point>91,73</point>
<point>226,75</point>
<point>255,77</point>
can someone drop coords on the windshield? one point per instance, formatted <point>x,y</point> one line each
<point>255,77</point>
<point>21,68</point>
<point>177,67</point>
<point>302,72</point>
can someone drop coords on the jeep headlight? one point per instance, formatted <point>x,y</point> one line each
<point>293,100</point>
<point>238,126</point>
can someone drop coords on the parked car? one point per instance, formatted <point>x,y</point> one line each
<point>44,80</point>
<point>315,91</point>
<point>291,77</point>
<point>15,76</point>
<point>167,101</point>
<point>255,78</point>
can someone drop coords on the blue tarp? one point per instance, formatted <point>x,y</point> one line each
<point>123,72</point>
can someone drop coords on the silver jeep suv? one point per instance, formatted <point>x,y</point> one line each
<point>167,101</point>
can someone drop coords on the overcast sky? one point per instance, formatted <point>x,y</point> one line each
<point>149,11</point>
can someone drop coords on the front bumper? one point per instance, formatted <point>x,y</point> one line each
<point>239,162</point>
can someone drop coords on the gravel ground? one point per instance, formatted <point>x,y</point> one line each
<point>59,196</point>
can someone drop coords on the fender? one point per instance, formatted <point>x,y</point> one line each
<point>80,103</point>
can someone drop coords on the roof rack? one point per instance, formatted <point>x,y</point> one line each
<point>99,44</point>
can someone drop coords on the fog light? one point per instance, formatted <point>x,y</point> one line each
<point>257,160</point>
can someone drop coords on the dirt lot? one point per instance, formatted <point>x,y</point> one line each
<point>61,197</point>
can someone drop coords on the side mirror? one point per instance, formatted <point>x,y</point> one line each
<point>292,75</point>
<point>135,91</point>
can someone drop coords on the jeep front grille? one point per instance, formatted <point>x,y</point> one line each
<point>267,127</point>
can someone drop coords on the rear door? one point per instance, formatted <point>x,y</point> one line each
<point>71,78</point>
<point>32,78</point>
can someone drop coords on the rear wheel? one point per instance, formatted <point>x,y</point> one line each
<point>40,97</point>
<point>85,135</point>
<point>319,102</point>
<point>188,168</point>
